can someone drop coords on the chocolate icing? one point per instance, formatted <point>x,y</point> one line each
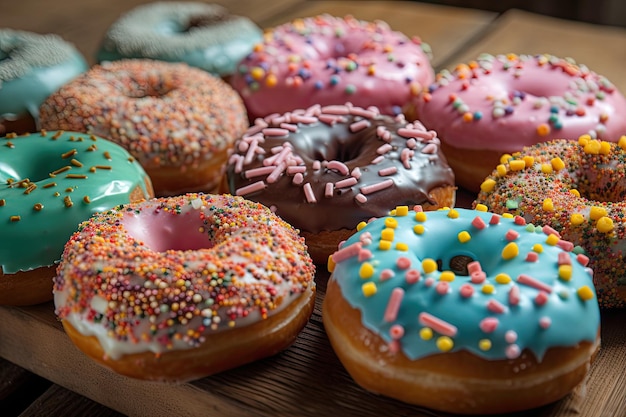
<point>317,140</point>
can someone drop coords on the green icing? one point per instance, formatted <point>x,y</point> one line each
<point>100,170</point>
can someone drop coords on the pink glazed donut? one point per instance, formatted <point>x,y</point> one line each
<point>330,60</point>
<point>496,105</point>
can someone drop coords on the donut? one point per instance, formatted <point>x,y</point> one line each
<point>578,188</point>
<point>32,66</point>
<point>331,60</point>
<point>175,289</point>
<point>462,311</point>
<point>52,181</point>
<point>499,104</point>
<point>202,35</point>
<point>326,168</point>
<point>178,121</point>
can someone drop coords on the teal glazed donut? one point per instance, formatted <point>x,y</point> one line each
<point>202,35</point>
<point>32,66</point>
<point>521,293</point>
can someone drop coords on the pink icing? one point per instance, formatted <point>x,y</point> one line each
<point>329,60</point>
<point>506,102</point>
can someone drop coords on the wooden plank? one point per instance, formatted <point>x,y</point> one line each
<point>18,387</point>
<point>60,402</point>
<point>445,29</point>
<point>601,48</point>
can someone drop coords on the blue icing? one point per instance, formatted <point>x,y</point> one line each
<point>572,319</point>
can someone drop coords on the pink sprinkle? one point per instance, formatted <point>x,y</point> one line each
<point>564,259</point>
<point>582,259</point>
<point>356,173</point>
<point>495,306</point>
<point>565,245</point>
<point>532,282</point>
<point>359,111</point>
<point>495,219</point>
<point>329,190</point>
<point>405,157</point>
<point>396,332</point>
<point>387,171</point>
<point>257,186</point>
<point>466,290</point>
<point>242,146</point>
<point>429,149</point>
<point>511,235</point>
<point>545,322</point>
<point>257,172</point>
<point>383,149</point>
<point>366,237</point>
<point>403,262</point>
<point>414,133</point>
<point>429,281</point>
<point>514,296</point>
<point>438,325</point>
<point>512,351</point>
<point>338,166</point>
<point>364,255</point>
<point>380,130</point>
<point>418,208</point>
<point>308,193</point>
<point>510,336</point>
<point>393,305</point>
<point>387,136</point>
<point>360,125</point>
<point>336,109</point>
<point>489,324</point>
<point>277,172</point>
<point>386,274</point>
<point>550,231</point>
<point>294,169</point>
<point>259,124</point>
<point>360,198</point>
<point>377,160</point>
<point>298,178</point>
<point>368,189</point>
<point>442,287</point>
<point>541,298</point>
<point>254,144</point>
<point>478,277</point>
<point>474,266</point>
<point>316,165</point>
<point>411,143</point>
<point>307,120</point>
<point>279,157</point>
<point>328,119</point>
<point>239,164</point>
<point>394,346</point>
<point>348,182</point>
<point>412,276</point>
<point>290,127</point>
<point>478,223</point>
<point>519,220</point>
<point>274,131</point>
<point>532,257</point>
<point>347,252</point>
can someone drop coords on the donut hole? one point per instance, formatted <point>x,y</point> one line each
<point>38,170</point>
<point>4,55</point>
<point>603,184</point>
<point>155,89</point>
<point>162,231</point>
<point>457,264</point>
<point>200,21</point>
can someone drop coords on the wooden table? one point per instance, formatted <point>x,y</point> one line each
<point>42,373</point>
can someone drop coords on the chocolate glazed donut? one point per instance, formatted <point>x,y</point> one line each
<point>325,169</point>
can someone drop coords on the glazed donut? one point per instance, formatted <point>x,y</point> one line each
<point>176,120</point>
<point>324,169</point>
<point>202,35</point>
<point>51,182</point>
<point>462,311</point>
<point>578,188</point>
<point>499,104</point>
<point>196,284</point>
<point>32,66</point>
<point>330,60</point>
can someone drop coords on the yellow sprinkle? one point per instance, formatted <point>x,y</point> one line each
<point>565,272</point>
<point>330,265</point>
<point>418,229</point>
<point>488,289</point>
<point>481,207</point>
<point>257,73</point>
<point>577,219</point>
<point>420,216</point>
<point>543,129</point>
<point>604,224</point>
<point>575,192</point>
<point>271,80</point>
<point>503,278</point>
<point>622,142</point>
<point>369,289</point>
<point>487,186</point>
<point>501,170</point>
<point>557,163</point>
<point>447,276</point>
<point>505,158</point>
<point>546,168</point>
<point>592,148</point>
<point>548,205</point>
<point>402,210</point>
<point>444,343</point>
<point>517,165</point>
<point>360,226</point>
<point>605,148</point>
<point>484,344</point>
<point>507,215</point>
<point>429,265</point>
<point>453,214</point>
<point>402,247</point>
<point>464,236</point>
<point>366,270</point>
<point>391,222</point>
<point>552,240</point>
<point>583,140</point>
<point>510,251</point>
<point>426,333</point>
<point>387,234</point>
<point>384,245</point>
<point>585,293</point>
<point>538,248</point>
<point>596,212</point>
